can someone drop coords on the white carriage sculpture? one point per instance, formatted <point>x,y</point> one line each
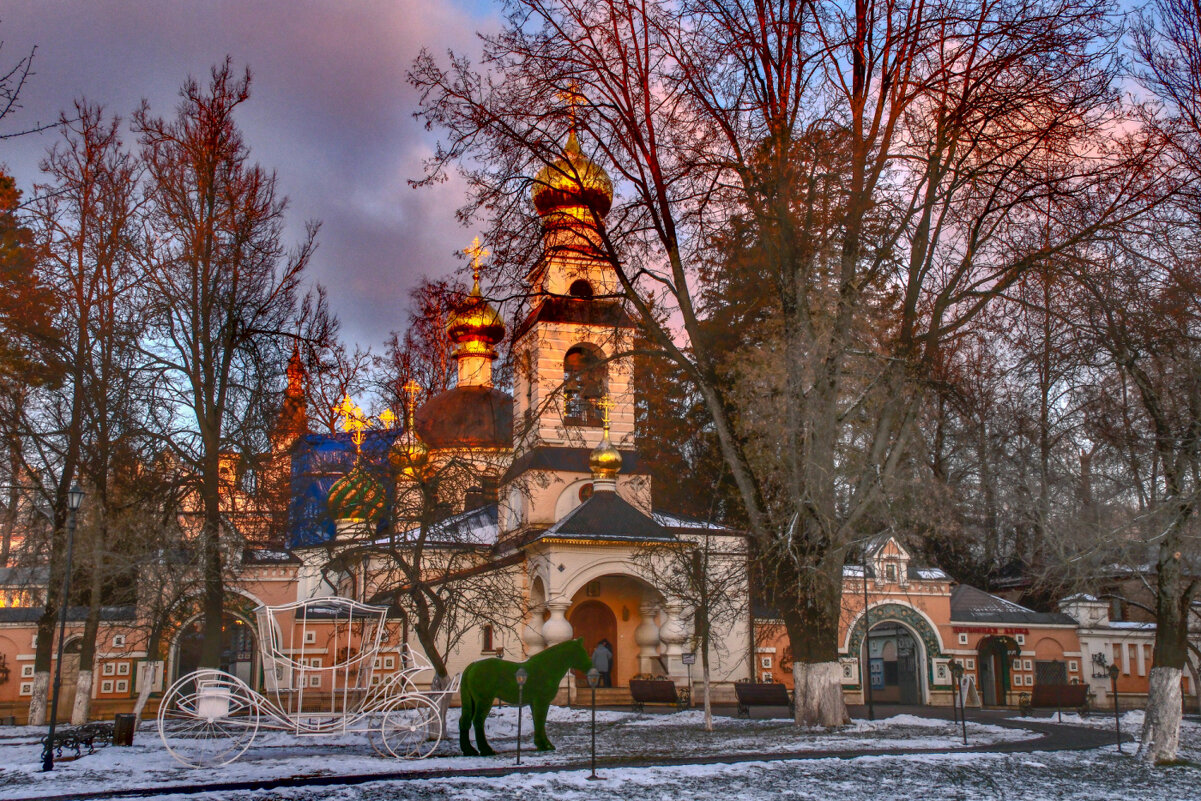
<point>210,717</point>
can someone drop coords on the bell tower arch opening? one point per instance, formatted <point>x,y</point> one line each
<point>585,382</point>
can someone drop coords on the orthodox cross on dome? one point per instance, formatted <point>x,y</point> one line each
<point>605,405</point>
<point>356,421</point>
<point>574,98</point>
<point>411,390</point>
<point>477,253</point>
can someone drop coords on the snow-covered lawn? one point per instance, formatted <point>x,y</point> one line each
<point>1090,775</point>
<point>1084,775</point>
<point>619,734</point>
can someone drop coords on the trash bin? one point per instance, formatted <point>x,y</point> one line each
<point>123,728</point>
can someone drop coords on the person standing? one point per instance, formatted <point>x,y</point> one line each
<point>602,660</point>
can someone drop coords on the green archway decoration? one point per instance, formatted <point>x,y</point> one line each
<point>912,619</point>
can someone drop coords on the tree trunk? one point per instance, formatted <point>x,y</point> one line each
<point>1161,726</point>
<point>40,701</point>
<point>146,671</point>
<point>87,652</point>
<point>441,682</point>
<point>213,569</point>
<point>83,697</point>
<point>708,701</point>
<point>811,608</point>
<point>818,694</point>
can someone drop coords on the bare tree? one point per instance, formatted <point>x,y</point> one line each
<point>708,574</point>
<point>88,214</point>
<point>224,295</point>
<point>886,160</point>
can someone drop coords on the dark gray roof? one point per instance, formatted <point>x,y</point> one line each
<point>606,516</point>
<point>566,460</point>
<point>473,528</point>
<point>24,576</point>
<point>972,605</point>
<point>30,614</point>
<point>584,311</point>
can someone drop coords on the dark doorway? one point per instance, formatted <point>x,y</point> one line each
<point>993,658</point>
<point>237,649</point>
<point>894,665</point>
<point>595,621</point>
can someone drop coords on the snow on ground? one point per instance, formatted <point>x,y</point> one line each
<point>278,755</point>
<point>1132,720</point>
<point>1091,775</point>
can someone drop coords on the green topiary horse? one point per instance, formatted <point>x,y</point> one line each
<point>488,679</point>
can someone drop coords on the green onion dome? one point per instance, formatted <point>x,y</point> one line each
<point>356,496</point>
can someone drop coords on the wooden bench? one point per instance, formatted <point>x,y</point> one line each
<point>761,694</point>
<point>658,691</point>
<point>1055,696</point>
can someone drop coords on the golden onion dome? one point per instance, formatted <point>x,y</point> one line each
<point>573,180</point>
<point>356,496</point>
<point>475,327</point>
<point>408,453</point>
<point>605,460</point>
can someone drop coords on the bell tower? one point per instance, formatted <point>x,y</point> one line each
<point>567,350</point>
<point>572,383</point>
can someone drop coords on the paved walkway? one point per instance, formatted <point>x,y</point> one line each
<point>1053,737</point>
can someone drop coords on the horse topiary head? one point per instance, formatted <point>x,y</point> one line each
<point>576,655</point>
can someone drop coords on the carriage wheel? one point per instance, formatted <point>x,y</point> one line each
<point>411,728</point>
<point>208,718</point>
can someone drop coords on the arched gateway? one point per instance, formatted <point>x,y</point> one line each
<point>898,656</point>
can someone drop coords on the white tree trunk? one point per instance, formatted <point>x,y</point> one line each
<point>708,703</point>
<point>146,673</point>
<point>1161,726</point>
<point>818,694</point>
<point>83,699</point>
<point>39,703</point>
<point>438,683</point>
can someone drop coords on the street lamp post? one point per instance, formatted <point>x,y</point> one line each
<point>593,680</point>
<point>74,499</point>
<point>1117,718</point>
<point>957,674</point>
<point>867,645</point>
<point>521,677</point>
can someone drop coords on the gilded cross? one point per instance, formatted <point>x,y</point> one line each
<point>574,98</point>
<point>477,253</point>
<point>606,405</point>
<point>411,389</point>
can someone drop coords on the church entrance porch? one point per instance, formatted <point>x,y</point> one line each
<point>595,622</point>
<point>645,631</point>
<point>894,660</point>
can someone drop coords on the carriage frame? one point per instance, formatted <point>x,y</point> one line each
<point>209,717</point>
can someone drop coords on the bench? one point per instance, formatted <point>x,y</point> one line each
<point>1055,696</point>
<point>761,694</point>
<point>658,691</point>
<point>79,737</point>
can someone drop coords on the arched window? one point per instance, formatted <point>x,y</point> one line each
<point>580,289</point>
<point>584,383</point>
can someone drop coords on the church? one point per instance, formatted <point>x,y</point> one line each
<point>497,524</point>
